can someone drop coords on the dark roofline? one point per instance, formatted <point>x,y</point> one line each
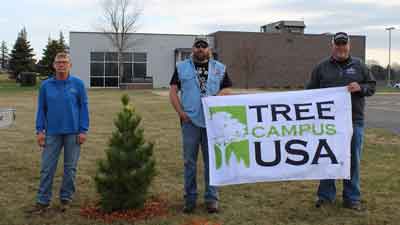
<point>212,34</point>
<point>183,49</point>
<point>273,33</point>
<point>286,21</point>
<point>97,32</point>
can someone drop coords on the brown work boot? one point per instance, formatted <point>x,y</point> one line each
<point>352,205</point>
<point>65,205</point>
<point>189,207</point>
<point>212,206</point>
<point>323,202</point>
<point>38,209</point>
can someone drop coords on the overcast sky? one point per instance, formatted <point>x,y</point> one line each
<point>44,18</point>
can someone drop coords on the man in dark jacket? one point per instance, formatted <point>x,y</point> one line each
<point>341,69</point>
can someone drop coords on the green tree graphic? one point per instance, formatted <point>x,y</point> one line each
<point>230,134</point>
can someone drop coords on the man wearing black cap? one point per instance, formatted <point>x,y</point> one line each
<point>341,69</point>
<point>195,78</point>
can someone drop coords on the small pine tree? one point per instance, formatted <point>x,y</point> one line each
<point>124,177</point>
<point>21,58</point>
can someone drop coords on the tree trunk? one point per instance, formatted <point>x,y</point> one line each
<point>120,68</point>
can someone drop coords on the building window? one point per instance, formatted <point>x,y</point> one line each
<point>111,82</point>
<point>127,57</point>
<point>135,68</point>
<point>96,69</point>
<point>185,55</point>
<point>139,70</point>
<point>111,69</point>
<point>97,60</point>
<point>104,68</point>
<point>112,56</point>
<point>140,57</point>
<point>97,56</point>
<point>97,81</point>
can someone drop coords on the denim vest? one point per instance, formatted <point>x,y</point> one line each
<point>190,87</point>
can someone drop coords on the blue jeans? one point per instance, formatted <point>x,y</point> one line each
<point>194,136</point>
<point>50,156</point>
<point>351,188</point>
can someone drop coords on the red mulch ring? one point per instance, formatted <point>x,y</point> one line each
<point>153,208</point>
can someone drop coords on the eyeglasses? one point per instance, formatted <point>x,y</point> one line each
<point>61,62</point>
<point>201,45</point>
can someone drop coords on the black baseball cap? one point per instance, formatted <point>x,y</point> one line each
<point>200,40</point>
<point>341,38</point>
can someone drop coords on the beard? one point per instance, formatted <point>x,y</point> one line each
<point>200,56</point>
<point>341,56</point>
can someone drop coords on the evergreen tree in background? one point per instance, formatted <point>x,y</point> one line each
<point>49,53</point>
<point>124,177</point>
<point>62,43</point>
<point>21,58</point>
<point>3,54</point>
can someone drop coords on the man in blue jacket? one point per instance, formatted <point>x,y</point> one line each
<point>195,78</point>
<point>62,121</point>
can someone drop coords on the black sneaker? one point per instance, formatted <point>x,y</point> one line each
<point>352,205</point>
<point>189,208</point>
<point>38,209</point>
<point>323,202</point>
<point>212,207</point>
<point>65,205</point>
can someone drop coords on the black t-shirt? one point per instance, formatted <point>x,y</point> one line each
<point>202,75</point>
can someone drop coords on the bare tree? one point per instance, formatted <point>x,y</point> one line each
<point>120,17</point>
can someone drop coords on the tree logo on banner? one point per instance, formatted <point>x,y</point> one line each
<point>229,133</point>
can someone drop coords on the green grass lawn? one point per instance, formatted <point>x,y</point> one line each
<point>10,86</point>
<point>275,203</point>
<point>388,90</point>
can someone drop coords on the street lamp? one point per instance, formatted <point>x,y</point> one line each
<point>390,49</point>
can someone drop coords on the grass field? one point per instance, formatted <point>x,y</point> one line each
<point>275,203</point>
<point>388,90</point>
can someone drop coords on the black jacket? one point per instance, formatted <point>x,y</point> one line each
<point>330,73</point>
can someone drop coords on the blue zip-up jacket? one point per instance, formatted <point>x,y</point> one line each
<point>62,107</point>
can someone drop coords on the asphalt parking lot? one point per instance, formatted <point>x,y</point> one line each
<point>383,111</point>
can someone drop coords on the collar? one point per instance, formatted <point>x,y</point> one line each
<point>346,62</point>
<point>194,63</point>
<point>54,79</point>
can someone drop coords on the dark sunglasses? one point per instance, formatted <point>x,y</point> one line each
<point>201,45</point>
<point>340,42</point>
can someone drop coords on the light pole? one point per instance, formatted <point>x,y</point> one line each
<point>390,49</point>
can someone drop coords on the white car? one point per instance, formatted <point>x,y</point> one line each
<point>396,85</point>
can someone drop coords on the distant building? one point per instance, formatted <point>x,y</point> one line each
<point>284,26</point>
<point>149,63</point>
<point>260,60</point>
<point>281,55</point>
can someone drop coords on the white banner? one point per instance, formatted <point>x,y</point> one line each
<point>297,135</point>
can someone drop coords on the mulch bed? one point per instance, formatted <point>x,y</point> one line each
<point>153,208</point>
<point>202,222</point>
